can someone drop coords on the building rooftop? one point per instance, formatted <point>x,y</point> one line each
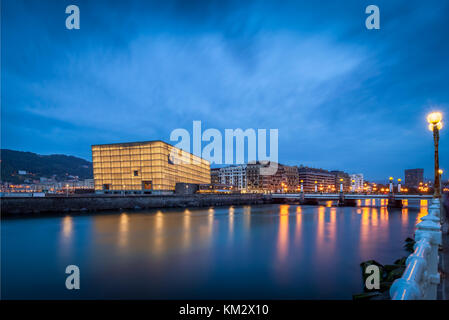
<point>131,143</point>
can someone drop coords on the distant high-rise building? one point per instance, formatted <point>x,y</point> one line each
<point>413,177</point>
<point>357,182</point>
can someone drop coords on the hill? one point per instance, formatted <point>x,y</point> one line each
<point>37,166</point>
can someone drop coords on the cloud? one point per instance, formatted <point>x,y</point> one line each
<point>341,96</point>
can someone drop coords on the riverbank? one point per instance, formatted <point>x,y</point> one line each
<point>11,206</point>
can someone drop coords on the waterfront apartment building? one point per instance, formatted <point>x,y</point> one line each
<point>346,180</point>
<point>145,167</point>
<point>233,176</point>
<point>285,178</point>
<point>323,179</point>
<point>215,176</point>
<point>413,177</point>
<point>253,177</point>
<point>289,177</point>
<point>357,182</point>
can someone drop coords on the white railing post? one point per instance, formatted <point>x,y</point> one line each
<point>421,278</point>
<point>430,231</point>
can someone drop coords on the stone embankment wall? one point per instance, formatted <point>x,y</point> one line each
<point>15,205</point>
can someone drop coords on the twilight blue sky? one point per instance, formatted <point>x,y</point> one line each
<point>343,97</point>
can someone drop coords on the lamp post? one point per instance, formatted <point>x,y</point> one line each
<point>399,185</point>
<point>316,187</point>
<point>302,186</point>
<point>341,185</point>
<point>391,184</point>
<point>435,124</point>
<point>440,172</point>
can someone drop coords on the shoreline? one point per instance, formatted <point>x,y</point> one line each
<point>18,206</point>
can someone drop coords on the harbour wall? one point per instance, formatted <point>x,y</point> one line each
<point>11,206</point>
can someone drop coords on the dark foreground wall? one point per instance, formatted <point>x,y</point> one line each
<point>13,206</point>
<point>445,212</point>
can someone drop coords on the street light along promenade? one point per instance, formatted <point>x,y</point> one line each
<point>435,120</point>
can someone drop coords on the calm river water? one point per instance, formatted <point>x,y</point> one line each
<point>259,252</point>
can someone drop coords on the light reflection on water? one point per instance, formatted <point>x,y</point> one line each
<point>123,231</point>
<point>66,236</point>
<point>271,251</point>
<point>283,233</point>
<point>422,212</point>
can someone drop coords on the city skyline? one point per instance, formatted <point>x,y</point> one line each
<point>427,177</point>
<point>342,97</point>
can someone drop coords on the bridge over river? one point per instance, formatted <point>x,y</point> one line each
<point>352,199</point>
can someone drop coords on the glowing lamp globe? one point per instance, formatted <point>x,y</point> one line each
<point>434,117</point>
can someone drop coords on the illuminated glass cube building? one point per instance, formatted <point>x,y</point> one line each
<point>145,167</point>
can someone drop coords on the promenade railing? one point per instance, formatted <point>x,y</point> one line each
<point>421,278</point>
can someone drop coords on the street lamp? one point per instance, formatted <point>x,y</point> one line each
<point>435,124</point>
